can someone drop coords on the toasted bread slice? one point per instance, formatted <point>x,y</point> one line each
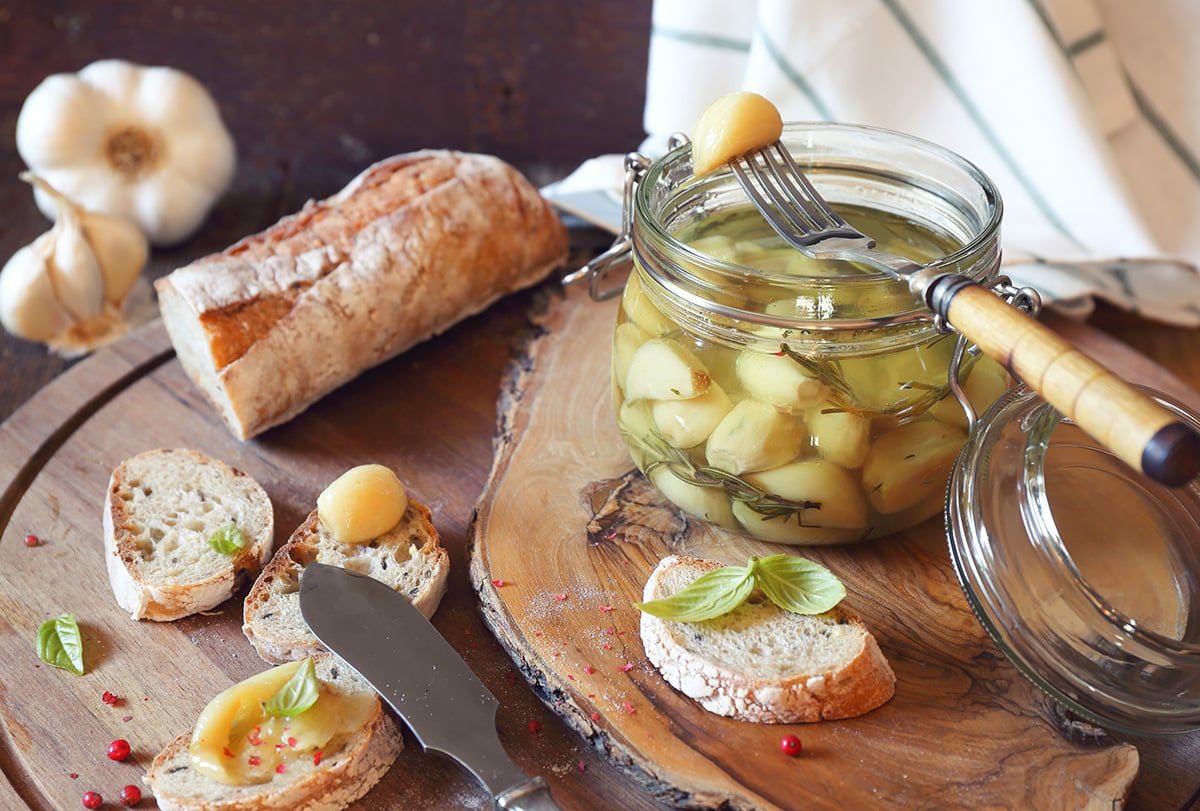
<point>761,663</point>
<point>347,769</point>
<point>409,558</point>
<point>161,509</point>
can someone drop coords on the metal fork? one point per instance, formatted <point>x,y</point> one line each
<point>785,196</point>
<point>1131,425</point>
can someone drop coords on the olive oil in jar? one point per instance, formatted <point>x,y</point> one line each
<point>741,236</point>
<point>791,436</point>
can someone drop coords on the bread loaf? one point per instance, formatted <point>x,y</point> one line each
<point>761,663</point>
<point>409,558</point>
<point>161,509</point>
<point>410,247</point>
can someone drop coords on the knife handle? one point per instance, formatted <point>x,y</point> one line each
<point>533,795</point>
<point>1125,421</point>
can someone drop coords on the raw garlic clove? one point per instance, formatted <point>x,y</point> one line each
<point>122,251</point>
<point>29,308</point>
<point>74,269</point>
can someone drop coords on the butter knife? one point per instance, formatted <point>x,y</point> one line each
<point>379,633</point>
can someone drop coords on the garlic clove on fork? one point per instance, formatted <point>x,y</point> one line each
<point>731,126</point>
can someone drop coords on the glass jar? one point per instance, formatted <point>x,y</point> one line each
<point>1085,573</point>
<point>797,401</point>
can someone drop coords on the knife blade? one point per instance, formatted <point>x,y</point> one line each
<point>380,634</point>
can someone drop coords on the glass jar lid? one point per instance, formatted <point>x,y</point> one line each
<point>1089,580</point>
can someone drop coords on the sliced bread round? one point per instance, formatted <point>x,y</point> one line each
<point>761,663</point>
<point>161,508</point>
<point>409,558</point>
<point>347,769</point>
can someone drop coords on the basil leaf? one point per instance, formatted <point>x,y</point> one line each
<point>710,595</point>
<point>301,692</point>
<point>797,584</point>
<point>59,643</point>
<point>228,540</point>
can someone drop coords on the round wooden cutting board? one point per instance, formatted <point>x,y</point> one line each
<point>429,414</point>
<point>567,533</point>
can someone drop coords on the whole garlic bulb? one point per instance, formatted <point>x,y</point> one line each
<point>144,143</point>
<point>67,287</point>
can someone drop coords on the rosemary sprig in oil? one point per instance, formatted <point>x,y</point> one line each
<point>685,468</point>
<point>829,374</point>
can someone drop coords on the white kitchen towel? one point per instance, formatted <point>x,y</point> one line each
<point>1086,114</point>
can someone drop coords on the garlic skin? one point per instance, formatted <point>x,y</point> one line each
<point>67,288</point>
<point>144,143</point>
<point>29,307</point>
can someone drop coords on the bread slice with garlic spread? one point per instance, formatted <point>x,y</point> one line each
<point>161,510</point>
<point>761,663</point>
<point>408,556</point>
<point>323,765</point>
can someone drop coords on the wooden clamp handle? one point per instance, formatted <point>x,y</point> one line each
<point>1124,420</point>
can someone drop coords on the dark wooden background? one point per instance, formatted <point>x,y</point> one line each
<point>313,92</point>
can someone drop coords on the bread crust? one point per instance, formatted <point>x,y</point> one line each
<point>139,592</point>
<point>410,247</point>
<point>858,686</point>
<point>343,776</point>
<point>271,612</point>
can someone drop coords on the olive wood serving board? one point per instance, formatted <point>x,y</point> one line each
<point>566,534</point>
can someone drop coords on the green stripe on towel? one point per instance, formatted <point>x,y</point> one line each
<point>972,111</point>
<point>794,76</point>
<point>706,40</point>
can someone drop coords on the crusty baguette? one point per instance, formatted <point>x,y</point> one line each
<point>409,558</point>
<point>160,510</point>
<point>410,247</point>
<point>763,664</point>
<point>347,770</point>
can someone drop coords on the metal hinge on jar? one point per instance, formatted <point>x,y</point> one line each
<point>619,255</point>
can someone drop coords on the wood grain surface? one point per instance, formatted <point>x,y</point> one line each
<point>429,414</point>
<point>312,94</point>
<point>567,533</point>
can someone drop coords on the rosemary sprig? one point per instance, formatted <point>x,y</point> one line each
<point>683,467</point>
<point>829,374</point>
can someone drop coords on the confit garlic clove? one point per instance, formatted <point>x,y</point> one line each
<point>362,504</point>
<point>834,489</point>
<point>144,143</point>
<point>733,125</point>
<point>663,369</point>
